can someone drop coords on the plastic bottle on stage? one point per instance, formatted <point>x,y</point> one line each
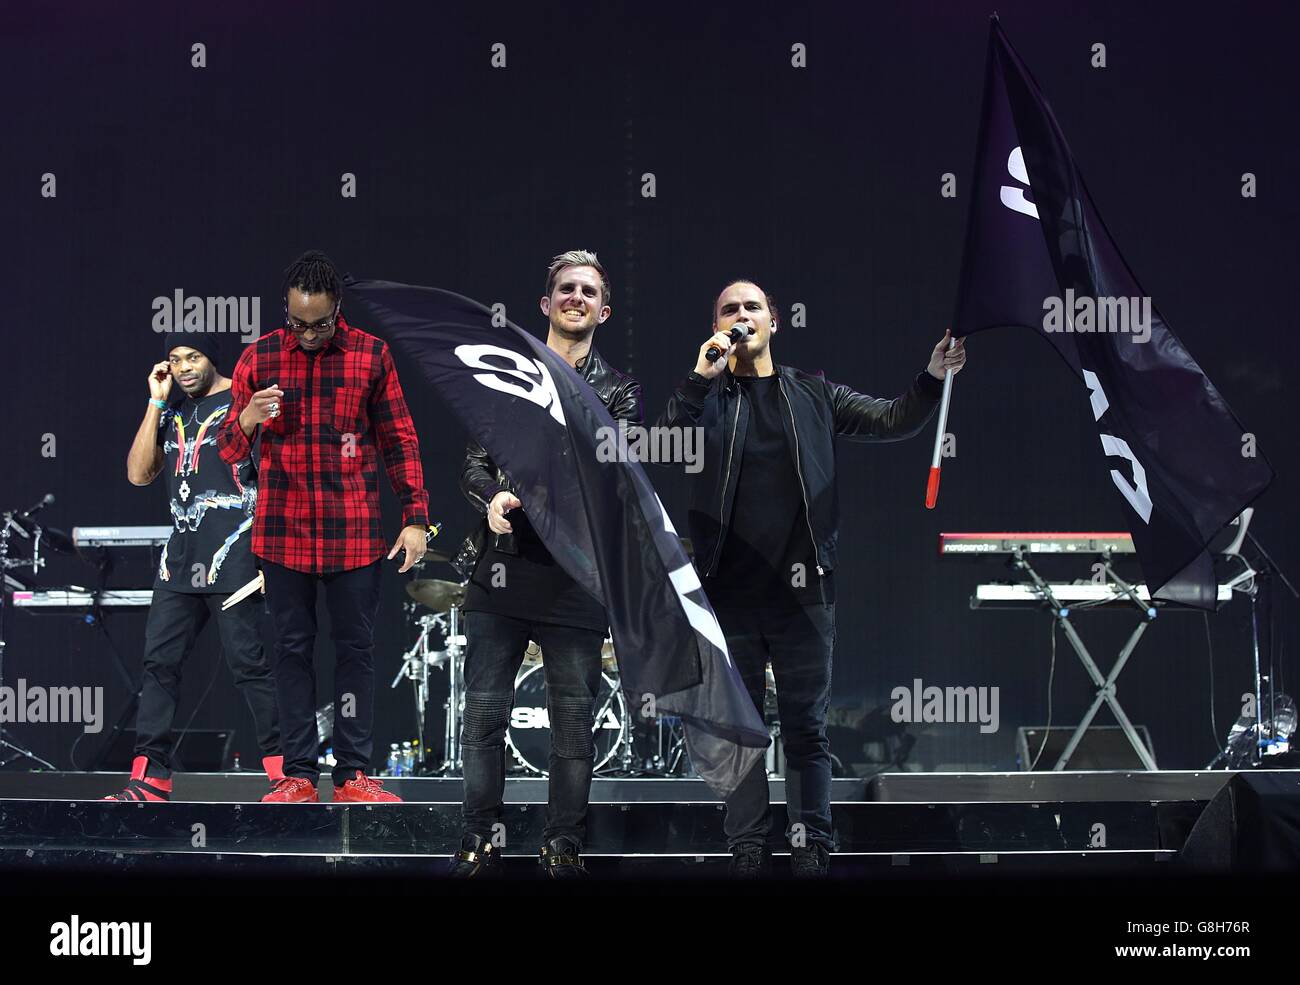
<point>408,759</point>
<point>394,760</point>
<point>236,765</point>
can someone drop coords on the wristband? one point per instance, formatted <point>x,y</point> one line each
<point>160,404</point>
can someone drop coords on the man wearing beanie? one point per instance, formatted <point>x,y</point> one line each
<point>208,557</point>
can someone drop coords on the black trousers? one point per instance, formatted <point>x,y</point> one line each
<point>799,642</point>
<point>174,623</point>
<point>352,598</point>
<point>571,663</point>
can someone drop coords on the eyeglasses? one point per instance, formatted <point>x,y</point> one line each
<point>320,328</point>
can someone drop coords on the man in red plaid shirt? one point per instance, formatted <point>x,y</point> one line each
<point>326,398</point>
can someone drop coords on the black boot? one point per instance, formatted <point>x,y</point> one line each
<point>561,859</point>
<point>750,861</point>
<point>813,862</point>
<point>477,857</point>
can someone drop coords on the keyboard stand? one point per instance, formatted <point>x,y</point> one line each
<point>1106,689</point>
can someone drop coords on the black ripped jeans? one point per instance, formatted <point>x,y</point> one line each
<point>571,663</point>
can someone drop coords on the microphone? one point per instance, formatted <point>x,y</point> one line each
<point>714,352</point>
<point>46,500</point>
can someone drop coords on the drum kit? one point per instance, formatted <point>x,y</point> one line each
<point>625,744</point>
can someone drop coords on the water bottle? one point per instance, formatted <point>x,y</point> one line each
<point>394,760</point>
<point>408,759</point>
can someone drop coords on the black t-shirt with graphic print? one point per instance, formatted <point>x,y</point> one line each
<point>211,503</point>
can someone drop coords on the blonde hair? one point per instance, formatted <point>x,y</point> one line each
<point>577,258</point>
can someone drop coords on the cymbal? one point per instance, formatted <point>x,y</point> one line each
<point>435,593</point>
<point>432,557</point>
<point>59,541</point>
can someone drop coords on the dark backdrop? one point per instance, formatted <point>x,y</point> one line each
<point>821,183</point>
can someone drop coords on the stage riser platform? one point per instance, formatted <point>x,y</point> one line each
<point>222,873</point>
<point>927,788</point>
<point>629,829</point>
<point>1094,785</point>
<point>248,787</point>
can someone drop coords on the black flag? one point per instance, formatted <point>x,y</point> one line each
<point>1038,255</point>
<point>601,520</point>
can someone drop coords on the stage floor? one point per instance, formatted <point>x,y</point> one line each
<point>894,826</point>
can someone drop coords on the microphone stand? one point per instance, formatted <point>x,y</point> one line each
<point>1263,584</point>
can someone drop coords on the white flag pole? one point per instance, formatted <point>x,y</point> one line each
<point>932,486</point>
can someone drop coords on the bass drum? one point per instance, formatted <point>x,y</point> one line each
<point>529,735</point>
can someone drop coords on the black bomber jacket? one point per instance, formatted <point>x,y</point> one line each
<point>817,411</point>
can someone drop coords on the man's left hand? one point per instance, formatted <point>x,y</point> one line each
<point>943,359</point>
<point>413,541</point>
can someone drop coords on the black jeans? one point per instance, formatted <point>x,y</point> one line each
<point>352,598</point>
<point>571,664</point>
<point>175,621</point>
<point>799,643</point>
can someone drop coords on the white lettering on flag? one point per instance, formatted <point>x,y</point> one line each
<point>1013,197</point>
<point>539,389</point>
<point>1139,498</point>
<point>685,581</point>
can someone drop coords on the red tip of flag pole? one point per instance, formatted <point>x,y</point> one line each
<point>932,489</point>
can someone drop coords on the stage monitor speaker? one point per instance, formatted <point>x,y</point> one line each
<point>1251,825</point>
<point>1103,747</point>
<point>197,751</point>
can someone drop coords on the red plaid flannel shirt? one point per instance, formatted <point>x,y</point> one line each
<point>318,478</point>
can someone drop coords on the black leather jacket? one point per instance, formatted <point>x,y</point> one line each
<point>818,411</point>
<point>480,479</point>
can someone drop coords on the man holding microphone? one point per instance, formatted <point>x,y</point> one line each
<point>764,520</point>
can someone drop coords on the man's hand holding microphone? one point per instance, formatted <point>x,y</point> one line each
<point>715,352</point>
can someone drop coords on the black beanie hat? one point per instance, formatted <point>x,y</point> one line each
<point>217,346</point>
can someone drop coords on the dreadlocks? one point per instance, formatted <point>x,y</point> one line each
<point>313,273</point>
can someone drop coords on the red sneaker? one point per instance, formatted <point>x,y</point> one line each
<point>141,788</point>
<point>274,766</point>
<point>292,790</point>
<point>362,788</point>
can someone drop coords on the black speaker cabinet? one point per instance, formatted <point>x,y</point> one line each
<point>1103,747</point>
<point>197,751</point>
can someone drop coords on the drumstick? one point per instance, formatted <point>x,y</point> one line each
<point>256,585</point>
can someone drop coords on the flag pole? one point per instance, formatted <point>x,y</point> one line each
<point>932,486</point>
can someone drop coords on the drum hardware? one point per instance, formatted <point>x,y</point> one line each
<point>417,661</point>
<point>445,599</point>
<point>436,594</point>
<point>18,522</point>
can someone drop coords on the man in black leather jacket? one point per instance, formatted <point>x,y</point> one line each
<point>518,593</point>
<point>764,521</point>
